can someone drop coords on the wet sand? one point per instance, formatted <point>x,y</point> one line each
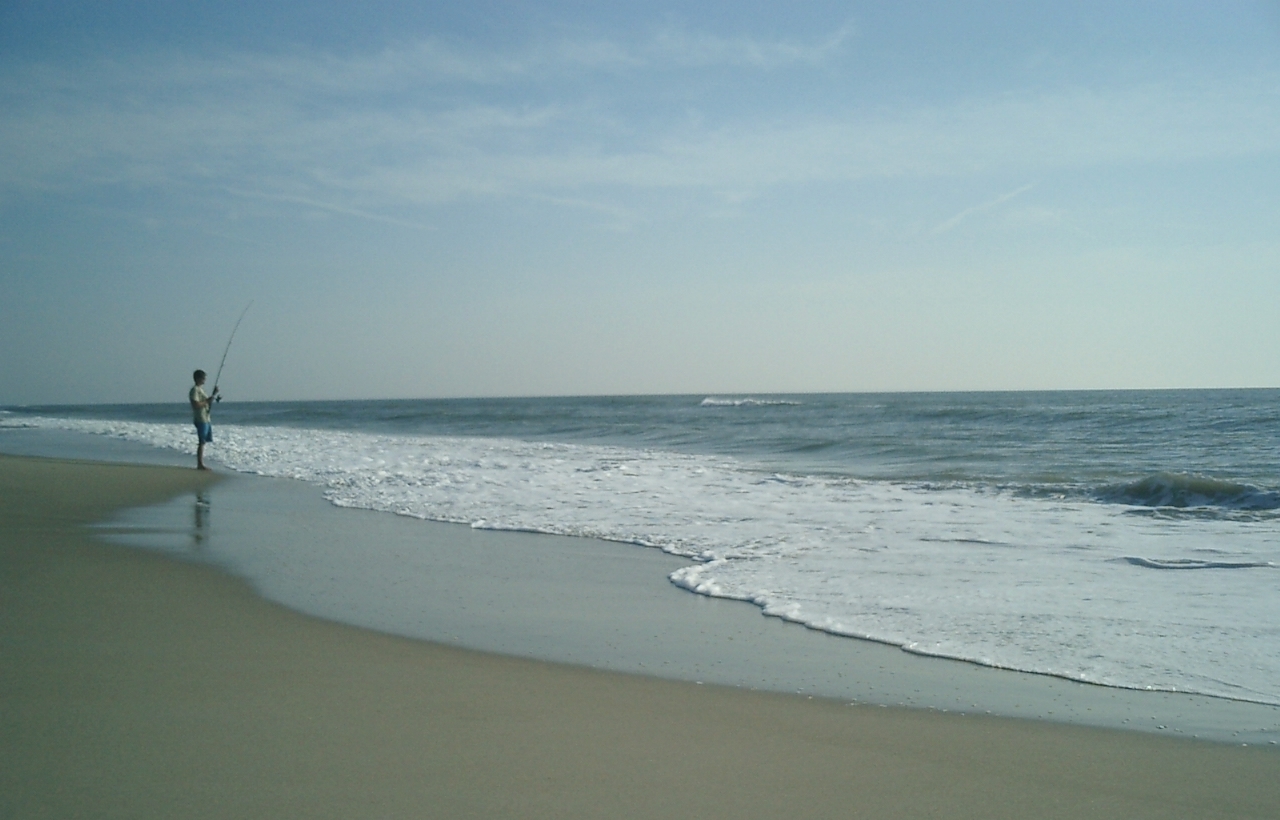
<point>136,685</point>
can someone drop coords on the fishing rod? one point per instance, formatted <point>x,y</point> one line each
<point>227,350</point>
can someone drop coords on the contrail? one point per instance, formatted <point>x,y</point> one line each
<point>967,212</point>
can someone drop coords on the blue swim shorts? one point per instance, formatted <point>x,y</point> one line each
<point>204,432</point>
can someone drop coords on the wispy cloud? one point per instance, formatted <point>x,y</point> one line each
<point>948,224</point>
<point>321,205</point>
<point>435,61</point>
<point>683,48</point>
<point>380,135</point>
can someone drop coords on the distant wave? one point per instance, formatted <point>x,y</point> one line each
<point>1191,563</point>
<point>712,401</point>
<point>1181,490</point>
<point>15,423</point>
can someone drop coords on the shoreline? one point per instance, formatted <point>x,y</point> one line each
<point>142,686</point>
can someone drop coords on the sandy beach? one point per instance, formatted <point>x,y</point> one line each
<point>137,685</point>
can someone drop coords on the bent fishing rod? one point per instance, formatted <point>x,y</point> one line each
<point>227,350</point>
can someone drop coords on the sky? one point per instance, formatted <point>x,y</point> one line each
<point>443,199</point>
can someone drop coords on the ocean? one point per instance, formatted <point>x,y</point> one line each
<point>1129,539</point>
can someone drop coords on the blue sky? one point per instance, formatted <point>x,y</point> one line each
<point>440,199</point>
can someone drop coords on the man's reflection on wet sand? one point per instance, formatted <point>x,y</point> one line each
<point>200,530</point>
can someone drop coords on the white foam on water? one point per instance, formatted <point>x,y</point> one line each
<point>714,401</point>
<point>1070,588</point>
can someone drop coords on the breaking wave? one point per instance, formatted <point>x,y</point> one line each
<point>1181,490</point>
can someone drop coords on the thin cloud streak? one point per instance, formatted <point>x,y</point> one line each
<point>325,206</point>
<point>680,48</point>
<point>948,224</point>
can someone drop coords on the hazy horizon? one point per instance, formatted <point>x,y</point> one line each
<point>181,401</point>
<point>428,200</point>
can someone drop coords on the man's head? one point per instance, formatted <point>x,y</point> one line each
<point>198,376</point>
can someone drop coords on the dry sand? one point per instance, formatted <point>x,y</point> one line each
<point>135,685</point>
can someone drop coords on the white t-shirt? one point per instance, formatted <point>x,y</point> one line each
<point>199,409</point>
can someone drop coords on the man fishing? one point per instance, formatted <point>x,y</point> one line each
<point>201,404</point>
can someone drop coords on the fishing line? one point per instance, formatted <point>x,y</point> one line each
<point>227,349</point>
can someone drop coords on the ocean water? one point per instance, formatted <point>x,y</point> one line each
<point>1130,539</point>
